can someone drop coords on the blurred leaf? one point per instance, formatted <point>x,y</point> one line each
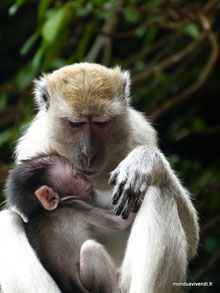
<point>57,63</point>
<point>82,46</point>
<point>192,30</point>
<point>98,2</point>
<point>174,159</point>
<point>132,15</point>
<point>25,76</point>
<point>83,11</point>
<point>55,22</point>
<point>151,34</point>
<point>211,244</point>
<point>104,14</point>
<point>13,9</point>
<point>140,32</point>
<point>52,52</point>
<point>29,43</point>
<point>19,3</point>
<point>8,135</point>
<point>38,56</point>
<point>154,5</point>
<point>42,7</point>
<point>139,65</point>
<point>198,124</point>
<point>3,101</point>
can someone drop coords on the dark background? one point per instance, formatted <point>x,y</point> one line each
<point>172,51</point>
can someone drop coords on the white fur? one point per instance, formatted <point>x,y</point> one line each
<point>39,90</point>
<point>20,270</point>
<point>37,137</point>
<point>157,245</point>
<point>127,83</point>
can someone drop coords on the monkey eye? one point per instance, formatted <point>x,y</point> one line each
<point>76,124</point>
<point>101,123</point>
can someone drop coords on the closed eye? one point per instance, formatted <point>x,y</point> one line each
<point>101,123</point>
<point>76,124</point>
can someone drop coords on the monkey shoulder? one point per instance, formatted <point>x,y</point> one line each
<point>64,220</point>
<point>141,131</point>
<point>34,140</point>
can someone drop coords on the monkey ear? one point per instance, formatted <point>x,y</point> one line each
<point>126,85</point>
<point>41,94</point>
<point>48,197</point>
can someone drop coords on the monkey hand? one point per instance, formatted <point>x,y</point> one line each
<point>132,177</point>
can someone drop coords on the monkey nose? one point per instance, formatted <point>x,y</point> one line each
<point>87,159</point>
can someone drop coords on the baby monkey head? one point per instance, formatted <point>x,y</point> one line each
<point>85,112</point>
<point>50,177</point>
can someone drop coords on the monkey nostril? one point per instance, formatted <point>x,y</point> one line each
<point>84,158</point>
<point>87,158</point>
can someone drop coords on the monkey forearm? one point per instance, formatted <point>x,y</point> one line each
<point>156,254</point>
<point>186,211</point>
<point>146,166</point>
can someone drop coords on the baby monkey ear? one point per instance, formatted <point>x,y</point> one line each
<point>41,94</point>
<point>48,197</point>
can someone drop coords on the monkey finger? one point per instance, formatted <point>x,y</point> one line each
<point>117,192</point>
<point>113,178</point>
<point>131,181</point>
<point>118,209</point>
<point>138,202</point>
<point>125,211</point>
<point>128,207</point>
<point>137,184</point>
<point>143,187</point>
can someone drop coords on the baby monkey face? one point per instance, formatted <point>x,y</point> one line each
<point>65,181</point>
<point>80,185</point>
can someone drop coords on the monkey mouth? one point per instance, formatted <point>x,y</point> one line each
<point>87,172</point>
<point>89,189</point>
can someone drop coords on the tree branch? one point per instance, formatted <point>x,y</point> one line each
<point>197,85</point>
<point>171,60</point>
<point>100,40</point>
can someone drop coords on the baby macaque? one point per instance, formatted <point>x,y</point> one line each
<point>61,221</point>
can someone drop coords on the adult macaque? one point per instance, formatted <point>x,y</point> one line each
<point>85,115</point>
<point>63,238</point>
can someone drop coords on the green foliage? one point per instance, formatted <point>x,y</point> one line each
<point>3,101</point>
<point>192,30</point>
<point>132,15</point>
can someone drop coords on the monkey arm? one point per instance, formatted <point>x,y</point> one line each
<point>144,167</point>
<point>156,254</point>
<point>99,217</point>
<point>20,269</point>
<point>108,220</point>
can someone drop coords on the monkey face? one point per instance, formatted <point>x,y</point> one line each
<point>85,107</point>
<point>89,148</point>
<point>80,186</point>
